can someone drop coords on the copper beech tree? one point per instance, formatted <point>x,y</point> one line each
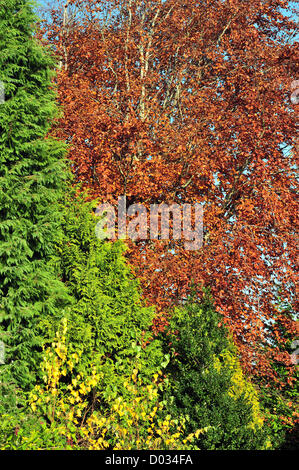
<point>181,101</point>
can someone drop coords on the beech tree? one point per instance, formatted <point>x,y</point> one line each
<point>175,101</point>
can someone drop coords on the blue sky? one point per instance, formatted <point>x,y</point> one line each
<point>292,5</point>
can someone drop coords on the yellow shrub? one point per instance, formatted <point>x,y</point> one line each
<point>124,423</point>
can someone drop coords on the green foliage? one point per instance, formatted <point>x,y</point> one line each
<point>279,394</point>
<point>101,386</point>
<point>63,416</point>
<point>208,383</point>
<point>32,181</point>
<point>108,319</point>
<point>281,414</point>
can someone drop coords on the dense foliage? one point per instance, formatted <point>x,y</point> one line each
<point>32,182</point>
<point>60,416</point>
<point>208,382</point>
<point>109,323</point>
<point>89,362</point>
<point>181,101</point>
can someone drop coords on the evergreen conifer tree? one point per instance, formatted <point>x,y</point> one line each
<point>109,324</point>
<point>208,382</point>
<point>33,176</point>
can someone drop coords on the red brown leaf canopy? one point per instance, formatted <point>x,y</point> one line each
<point>189,101</point>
